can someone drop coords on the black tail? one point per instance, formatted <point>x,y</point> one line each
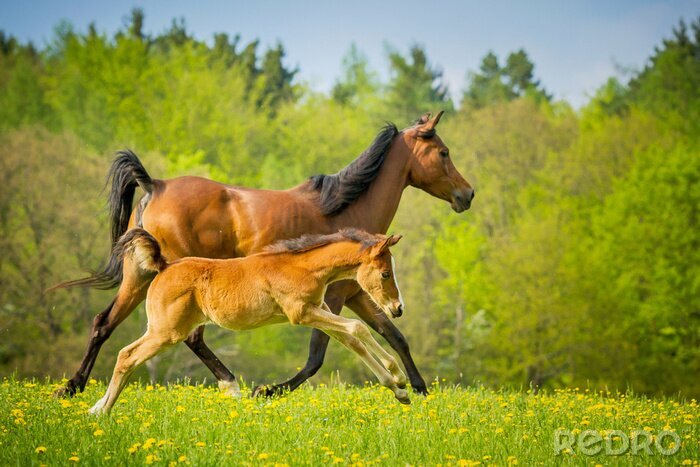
<point>126,174</point>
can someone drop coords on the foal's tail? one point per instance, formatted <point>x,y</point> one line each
<point>143,248</point>
<point>126,174</point>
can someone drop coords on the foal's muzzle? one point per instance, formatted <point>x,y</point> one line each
<point>462,199</point>
<point>396,310</point>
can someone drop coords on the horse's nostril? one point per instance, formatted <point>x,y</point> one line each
<point>472,195</point>
<point>399,310</point>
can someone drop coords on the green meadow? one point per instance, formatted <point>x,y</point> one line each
<point>338,424</point>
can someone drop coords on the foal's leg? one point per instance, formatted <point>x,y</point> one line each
<point>168,324</point>
<point>131,292</point>
<point>365,308</point>
<point>227,381</point>
<point>317,352</point>
<point>130,357</point>
<point>354,335</point>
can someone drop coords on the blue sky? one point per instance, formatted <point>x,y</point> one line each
<point>575,46</point>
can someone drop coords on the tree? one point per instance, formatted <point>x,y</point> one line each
<point>357,83</point>
<point>277,79</point>
<point>496,83</point>
<point>415,86</point>
<point>668,85</point>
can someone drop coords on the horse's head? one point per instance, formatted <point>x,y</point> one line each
<point>430,166</point>
<point>376,276</point>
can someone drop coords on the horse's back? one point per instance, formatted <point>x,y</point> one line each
<point>195,216</point>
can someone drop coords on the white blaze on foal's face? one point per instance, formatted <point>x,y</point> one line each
<point>396,282</point>
<point>377,278</point>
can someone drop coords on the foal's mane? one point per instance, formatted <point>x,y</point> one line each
<point>310,242</point>
<point>338,190</point>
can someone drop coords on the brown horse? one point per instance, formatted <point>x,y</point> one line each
<point>285,284</point>
<point>191,216</point>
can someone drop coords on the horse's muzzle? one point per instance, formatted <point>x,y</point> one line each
<point>462,199</point>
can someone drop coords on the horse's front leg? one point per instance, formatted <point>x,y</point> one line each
<point>365,308</point>
<point>227,381</point>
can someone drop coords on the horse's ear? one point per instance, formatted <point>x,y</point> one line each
<point>430,125</point>
<point>425,118</point>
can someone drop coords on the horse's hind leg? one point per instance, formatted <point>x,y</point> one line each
<point>131,292</point>
<point>227,381</point>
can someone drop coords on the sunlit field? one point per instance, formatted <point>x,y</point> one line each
<point>198,425</point>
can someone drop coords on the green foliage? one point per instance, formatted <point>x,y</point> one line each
<point>577,263</point>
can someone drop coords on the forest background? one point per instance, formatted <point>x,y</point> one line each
<point>578,265</point>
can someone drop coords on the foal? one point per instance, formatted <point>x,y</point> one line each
<point>286,283</point>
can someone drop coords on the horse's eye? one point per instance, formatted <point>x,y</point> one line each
<point>445,153</point>
<point>386,275</point>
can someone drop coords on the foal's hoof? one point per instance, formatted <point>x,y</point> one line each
<point>69,390</point>
<point>402,396</point>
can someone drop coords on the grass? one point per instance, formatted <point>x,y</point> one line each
<point>197,425</point>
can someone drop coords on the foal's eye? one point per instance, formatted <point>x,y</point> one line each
<point>386,275</point>
<point>445,153</point>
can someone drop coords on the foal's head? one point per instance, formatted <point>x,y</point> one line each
<point>430,166</point>
<point>376,276</point>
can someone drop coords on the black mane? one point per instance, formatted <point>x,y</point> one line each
<point>309,242</point>
<point>337,191</point>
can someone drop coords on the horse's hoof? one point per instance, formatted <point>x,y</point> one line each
<point>422,390</point>
<point>263,391</point>
<point>66,391</point>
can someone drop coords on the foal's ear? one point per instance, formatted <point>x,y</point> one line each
<point>393,240</point>
<point>384,245</point>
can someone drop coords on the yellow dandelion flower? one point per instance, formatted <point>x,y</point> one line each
<point>263,455</point>
<point>499,431</point>
<point>74,459</point>
<point>98,432</point>
<point>40,450</point>
<point>200,444</point>
<point>181,459</point>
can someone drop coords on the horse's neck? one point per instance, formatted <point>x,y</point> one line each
<point>374,210</point>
